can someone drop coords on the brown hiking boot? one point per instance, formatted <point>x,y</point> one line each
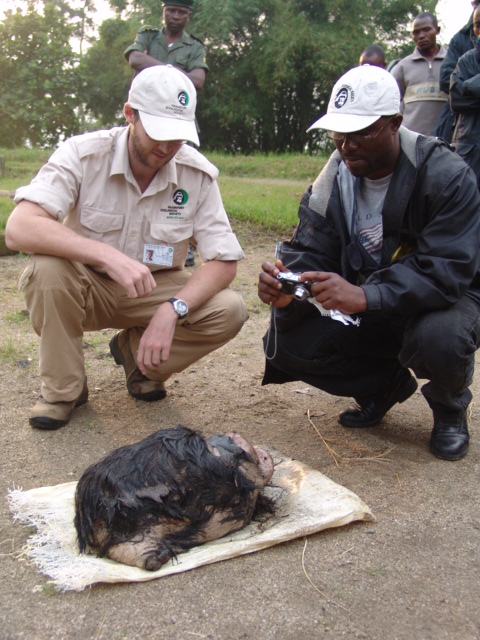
<point>138,385</point>
<point>53,415</point>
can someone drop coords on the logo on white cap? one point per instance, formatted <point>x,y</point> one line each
<point>342,96</point>
<point>183,98</point>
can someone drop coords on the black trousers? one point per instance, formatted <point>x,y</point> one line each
<point>347,360</point>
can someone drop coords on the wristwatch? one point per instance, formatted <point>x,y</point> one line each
<point>180,306</point>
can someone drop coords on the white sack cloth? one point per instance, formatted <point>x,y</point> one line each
<point>306,502</point>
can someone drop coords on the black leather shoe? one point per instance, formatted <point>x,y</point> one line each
<point>371,412</point>
<point>450,438</point>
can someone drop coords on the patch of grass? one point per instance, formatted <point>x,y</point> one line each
<point>92,425</point>
<point>49,590</point>
<point>8,351</point>
<point>6,207</point>
<point>284,166</point>
<point>15,354</point>
<point>94,341</point>
<point>270,205</point>
<point>21,165</point>
<point>17,317</point>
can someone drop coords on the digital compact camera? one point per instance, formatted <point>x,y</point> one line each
<point>291,285</point>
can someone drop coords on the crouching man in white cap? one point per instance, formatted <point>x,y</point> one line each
<point>108,222</point>
<point>389,242</point>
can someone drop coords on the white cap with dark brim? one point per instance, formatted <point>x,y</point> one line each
<point>359,98</point>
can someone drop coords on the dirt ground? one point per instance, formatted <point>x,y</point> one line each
<point>414,573</point>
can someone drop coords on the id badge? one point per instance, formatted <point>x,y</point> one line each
<point>160,255</point>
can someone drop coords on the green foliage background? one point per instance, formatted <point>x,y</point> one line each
<point>39,81</point>
<point>272,66</point>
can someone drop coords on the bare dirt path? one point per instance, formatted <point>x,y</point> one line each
<point>414,573</point>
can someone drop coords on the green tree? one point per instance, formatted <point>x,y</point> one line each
<point>82,21</point>
<point>105,73</point>
<point>273,64</point>
<point>38,94</point>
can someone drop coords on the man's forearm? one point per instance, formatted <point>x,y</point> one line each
<point>210,278</point>
<point>140,61</point>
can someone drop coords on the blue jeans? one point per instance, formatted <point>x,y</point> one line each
<point>361,361</point>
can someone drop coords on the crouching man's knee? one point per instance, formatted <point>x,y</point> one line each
<point>53,285</point>
<point>442,340</point>
<point>227,314</point>
<point>236,309</point>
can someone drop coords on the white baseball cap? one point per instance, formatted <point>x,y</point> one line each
<point>165,99</point>
<point>361,96</point>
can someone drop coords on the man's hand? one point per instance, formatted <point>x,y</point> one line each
<point>334,292</point>
<point>269,288</point>
<point>204,283</point>
<point>155,344</point>
<point>134,277</point>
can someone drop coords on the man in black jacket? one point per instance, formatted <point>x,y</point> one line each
<point>462,41</point>
<point>388,244</point>
<point>465,103</point>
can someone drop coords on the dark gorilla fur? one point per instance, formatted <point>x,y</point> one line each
<point>169,476</point>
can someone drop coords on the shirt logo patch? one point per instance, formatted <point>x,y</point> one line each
<point>180,197</point>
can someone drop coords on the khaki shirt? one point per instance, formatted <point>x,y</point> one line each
<point>88,185</point>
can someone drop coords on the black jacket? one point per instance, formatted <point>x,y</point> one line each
<point>431,212</point>
<point>462,41</point>
<point>465,101</point>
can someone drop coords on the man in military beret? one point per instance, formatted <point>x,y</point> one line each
<point>170,45</point>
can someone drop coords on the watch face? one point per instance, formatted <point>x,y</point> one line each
<point>181,307</point>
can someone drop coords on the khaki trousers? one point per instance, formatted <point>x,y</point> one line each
<point>65,299</point>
